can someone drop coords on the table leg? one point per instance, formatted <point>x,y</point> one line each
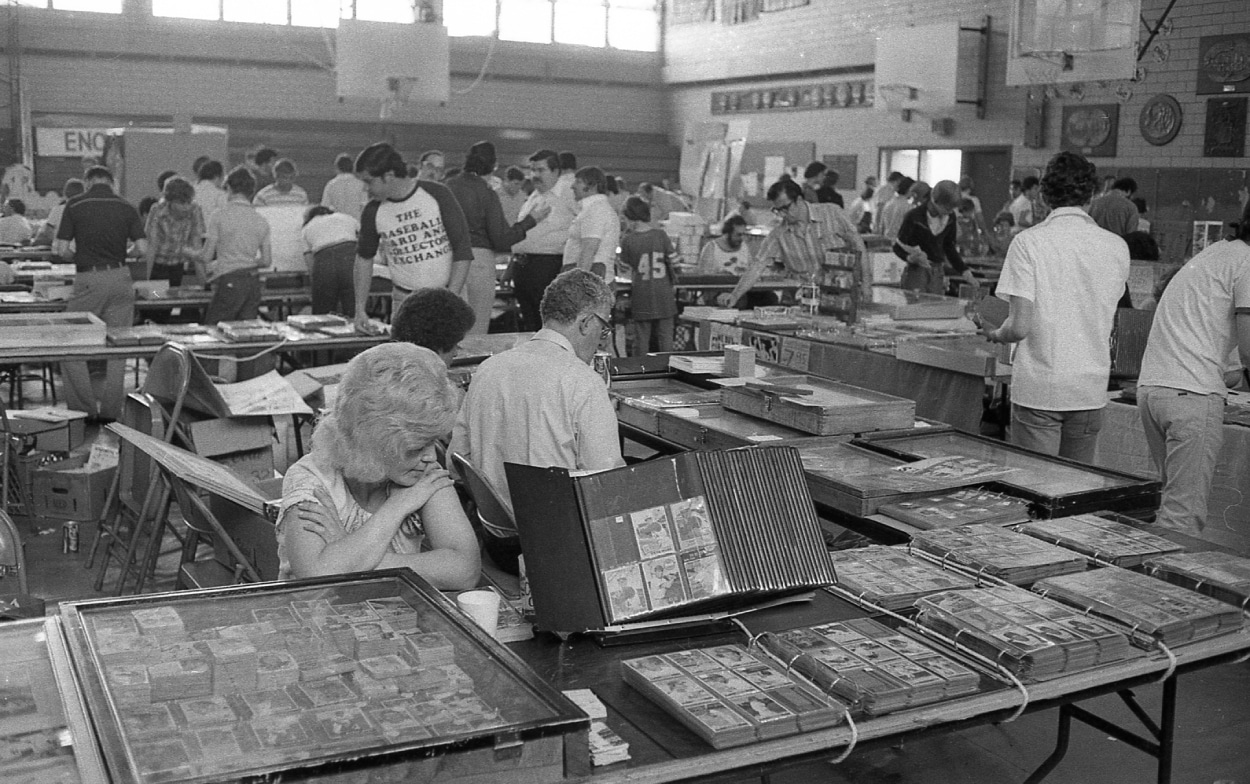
<point>1061,747</point>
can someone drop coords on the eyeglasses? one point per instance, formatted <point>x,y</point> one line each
<point>782,210</point>
<point>606,331</point>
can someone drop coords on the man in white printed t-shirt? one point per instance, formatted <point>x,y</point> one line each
<point>596,231</point>
<point>1062,278</point>
<point>418,224</point>
<point>1202,318</point>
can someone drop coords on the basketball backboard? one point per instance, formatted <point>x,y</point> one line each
<point>392,61</point>
<point>1065,41</point>
<point>917,67</point>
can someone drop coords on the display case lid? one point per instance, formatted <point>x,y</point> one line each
<point>372,668</point>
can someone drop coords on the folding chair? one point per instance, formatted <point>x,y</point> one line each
<point>495,520</point>
<point>203,526</point>
<point>164,391</point>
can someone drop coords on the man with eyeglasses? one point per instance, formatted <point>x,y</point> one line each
<point>800,241</point>
<point>541,403</point>
<point>538,257</point>
<point>926,241</point>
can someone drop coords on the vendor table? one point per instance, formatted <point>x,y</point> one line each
<point>664,750</point>
<point>941,394</point>
<point>35,354</point>
<point>1122,446</point>
<point>280,302</point>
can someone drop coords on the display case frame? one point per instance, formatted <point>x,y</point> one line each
<point>1119,491</point>
<point>25,762</point>
<point>554,729</point>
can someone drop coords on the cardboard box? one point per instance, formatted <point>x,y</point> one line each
<point>54,430</point>
<point>229,369</point>
<point>67,490</point>
<point>243,443</point>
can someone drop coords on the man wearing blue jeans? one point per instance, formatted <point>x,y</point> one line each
<point>1202,318</point>
<point>1062,279</point>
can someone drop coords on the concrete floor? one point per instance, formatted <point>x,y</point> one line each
<point>1212,739</point>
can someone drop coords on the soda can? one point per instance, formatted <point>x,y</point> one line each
<point>69,537</point>
<point>602,364</point>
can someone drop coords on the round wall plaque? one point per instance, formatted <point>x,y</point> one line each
<point>1160,119</point>
<point>1088,126</point>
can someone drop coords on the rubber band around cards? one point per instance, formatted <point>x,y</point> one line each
<point>851,746</point>
<point>276,347</point>
<point>1242,659</point>
<point>1171,661</point>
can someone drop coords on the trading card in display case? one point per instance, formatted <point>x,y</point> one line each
<point>368,670</point>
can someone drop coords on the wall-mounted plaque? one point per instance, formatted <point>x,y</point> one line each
<point>1091,130</point>
<point>1225,135</point>
<point>1160,119</point>
<point>1224,64</point>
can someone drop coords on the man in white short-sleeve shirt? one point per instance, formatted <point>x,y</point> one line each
<point>1202,318</point>
<point>596,231</point>
<point>1063,279</point>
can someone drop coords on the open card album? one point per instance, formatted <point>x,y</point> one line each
<point>200,472</point>
<point>696,532</point>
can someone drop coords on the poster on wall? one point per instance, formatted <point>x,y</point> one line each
<point>1091,130</point>
<point>1225,134</point>
<point>1224,64</point>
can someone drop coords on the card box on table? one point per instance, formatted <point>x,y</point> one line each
<point>62,330</point>
<point>1053,485</point>
<point>970,354</point>
<point>373,675</point>
<point>699,532</point>
<point>638,402</point>
<point>820,406</point>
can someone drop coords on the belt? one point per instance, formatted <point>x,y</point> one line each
<point>540,256</point>
<point>102,267</point>
<point>398,287</point>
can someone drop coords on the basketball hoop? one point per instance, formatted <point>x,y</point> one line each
<point>897,97</point>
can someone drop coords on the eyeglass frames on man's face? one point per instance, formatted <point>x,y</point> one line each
<point>606,330</point>
<point>782,209</point>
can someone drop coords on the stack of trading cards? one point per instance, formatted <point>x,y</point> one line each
<point>871,667</point>
<point>1098,537</point>
<point>375,638</point>
<point>275,669</point>
<point>891,578</point>
<point>432,649</point>
<point>606,747</point>
<point>129,683</point>
<point>159,622</point>
<point>1224,576</point>
<point>234,665</point>
<point>1169,613</point>
<point>181,678</point>
<point>729,696</point>
<point>1029,635</point>
<point>1013,557</point>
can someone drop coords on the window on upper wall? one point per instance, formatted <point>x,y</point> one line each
<point>634,24</point>
<point>470,17</point>
<point>99,6</point>
<point>187,9</point>
<point>582,22</point>
<point>525,20</point>
<point>255,11</point>
<point>319,13</point>
<point>384,10</point>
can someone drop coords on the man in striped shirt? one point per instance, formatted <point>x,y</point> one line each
<point>806,231</point>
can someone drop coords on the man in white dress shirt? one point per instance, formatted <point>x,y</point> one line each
<point>540,255</point>
<point>345,193</point>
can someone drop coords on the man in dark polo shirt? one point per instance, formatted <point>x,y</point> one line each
<point>101,224</point>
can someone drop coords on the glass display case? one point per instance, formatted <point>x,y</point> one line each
<point>1053,485</point>
<point>45,737</point>
<point>310,679</point>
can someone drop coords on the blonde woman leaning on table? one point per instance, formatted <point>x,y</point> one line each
<point>371,494</point>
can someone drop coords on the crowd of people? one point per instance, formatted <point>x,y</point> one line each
<point>372,493</point>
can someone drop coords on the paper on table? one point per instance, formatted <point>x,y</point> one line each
<point>48,414</point>
<point>269,394</point>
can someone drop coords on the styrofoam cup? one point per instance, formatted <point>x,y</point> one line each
<point>482,607</point>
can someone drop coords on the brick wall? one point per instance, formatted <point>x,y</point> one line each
<point>832,34</point>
